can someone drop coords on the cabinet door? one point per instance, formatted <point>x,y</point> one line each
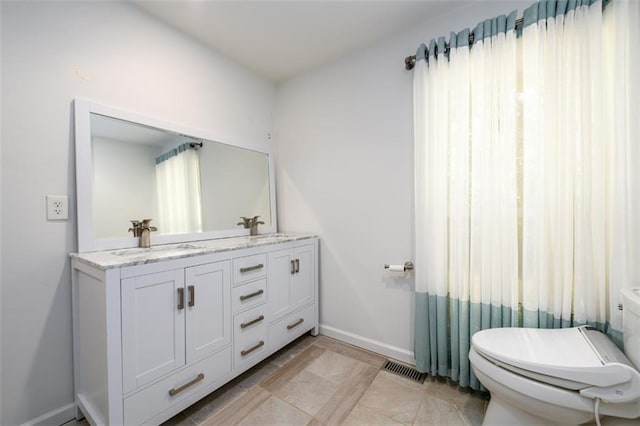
<point>279,274</point>
<point>152,327</point>
<point>302,282</point>
<point>208,305</point>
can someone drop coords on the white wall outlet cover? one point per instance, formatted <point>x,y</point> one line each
<point>57,207</point>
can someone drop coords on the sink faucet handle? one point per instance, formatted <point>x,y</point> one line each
<point>136,228</point>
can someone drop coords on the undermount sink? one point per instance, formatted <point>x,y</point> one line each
<point>156,249</point>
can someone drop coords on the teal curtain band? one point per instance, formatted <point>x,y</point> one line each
<point>478,32</point>
<point>432,49</point>
<point>511,20</point>
<point>551,8</point>
<point>501,24</point>
<point>453,40</point>
<point>421,53</point>
<point>487,28</point>
<point>421,342</point>
<point>530,15</point>
<point>463,38</point>
<point>571,5</point>
<point>442,46</point>
<point>172,153</point>
<point>542,11</point>
<point>561,7</point>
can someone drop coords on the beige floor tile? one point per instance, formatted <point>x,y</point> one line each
<point>214,402</point>
<point>242,407</point>
<point>363,416</point>
<point>283,375</point>
<point>333,367</point>
<point>336,410</point>
<point>394,397</point>
<point>179,420</point>
<point>275,411</point>
<point>350,351</point>
<point>471,405</point>
<point>434,412</point>
<point>307,391</point>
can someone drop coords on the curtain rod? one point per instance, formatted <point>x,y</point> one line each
<point>410,61</point>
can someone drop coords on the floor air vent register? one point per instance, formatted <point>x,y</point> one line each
<point>404,371</point>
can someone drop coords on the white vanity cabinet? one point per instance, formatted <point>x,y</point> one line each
<point>154,332</point>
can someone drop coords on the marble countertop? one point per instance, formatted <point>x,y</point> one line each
<point>118,258</point>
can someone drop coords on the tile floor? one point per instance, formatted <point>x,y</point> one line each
<point>321,381</point>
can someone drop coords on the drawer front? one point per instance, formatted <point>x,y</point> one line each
<point>248,295</point>
<point>291,327</point>
<point>143,405</point>
<point>249,268</point>
<point>249,335</point>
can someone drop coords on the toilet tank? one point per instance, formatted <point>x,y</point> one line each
<point>631,324</point>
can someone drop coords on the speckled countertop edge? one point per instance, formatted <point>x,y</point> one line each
<point>109,259</point>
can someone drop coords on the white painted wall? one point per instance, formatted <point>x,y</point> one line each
<point>115,54</point>
<point>344,161</point>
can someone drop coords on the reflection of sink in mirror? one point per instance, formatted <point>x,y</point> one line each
<point>157,249</point>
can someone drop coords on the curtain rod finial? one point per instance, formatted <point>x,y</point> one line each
<point>409,62</point>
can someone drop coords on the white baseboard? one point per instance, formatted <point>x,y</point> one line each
<point>58,416</point>
<point>390,351</point>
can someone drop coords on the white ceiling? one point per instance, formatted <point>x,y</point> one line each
<point>281,39</point>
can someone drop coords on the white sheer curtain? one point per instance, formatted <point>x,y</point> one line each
<point>580,169</point>
<point>178,190</point>
<point>466,194</point>
<point>622,135</point>
<point>545,130</point>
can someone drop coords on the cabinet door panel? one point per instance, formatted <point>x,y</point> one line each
<point>279,275</point>
<point>302,281</point>
<point>209,319</point>
<point>153,327</point>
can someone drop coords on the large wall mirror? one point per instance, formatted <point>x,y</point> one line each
<point>193,185</point>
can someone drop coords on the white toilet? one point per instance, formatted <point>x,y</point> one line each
<point>561,376</point>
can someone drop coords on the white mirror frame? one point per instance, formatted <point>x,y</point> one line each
<point>83,109</point>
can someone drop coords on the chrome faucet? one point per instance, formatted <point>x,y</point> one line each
<point>142,229</point>
<point>251,224</point>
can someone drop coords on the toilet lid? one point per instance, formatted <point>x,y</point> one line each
<point>570,355</point>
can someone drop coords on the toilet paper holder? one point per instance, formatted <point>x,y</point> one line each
<point>408,266</point>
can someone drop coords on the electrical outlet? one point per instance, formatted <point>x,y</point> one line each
<point>57,207</point>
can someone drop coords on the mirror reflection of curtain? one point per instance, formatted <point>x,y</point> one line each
<point>178,188</point>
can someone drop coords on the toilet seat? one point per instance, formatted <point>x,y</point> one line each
<point>579,359</point>
<point>542,400</point>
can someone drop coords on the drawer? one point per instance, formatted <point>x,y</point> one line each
<point>250,335</point>
<point>150,401</point>
<point>249,268</point>
<point>248,295</point>
<point>291,327</point>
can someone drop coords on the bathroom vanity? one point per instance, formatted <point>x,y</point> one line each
<point>157,329</point>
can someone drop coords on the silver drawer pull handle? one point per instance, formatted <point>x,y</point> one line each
<point>297,266</point>
<point>295,324</point>
<point>247,324</point>
<point>250,295</point>
<point>251,268</point>
<point>248,351</point>
<point>293,267</point>
<point>176,391</point>
<point>180,298</point>
<point>192,296</point>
